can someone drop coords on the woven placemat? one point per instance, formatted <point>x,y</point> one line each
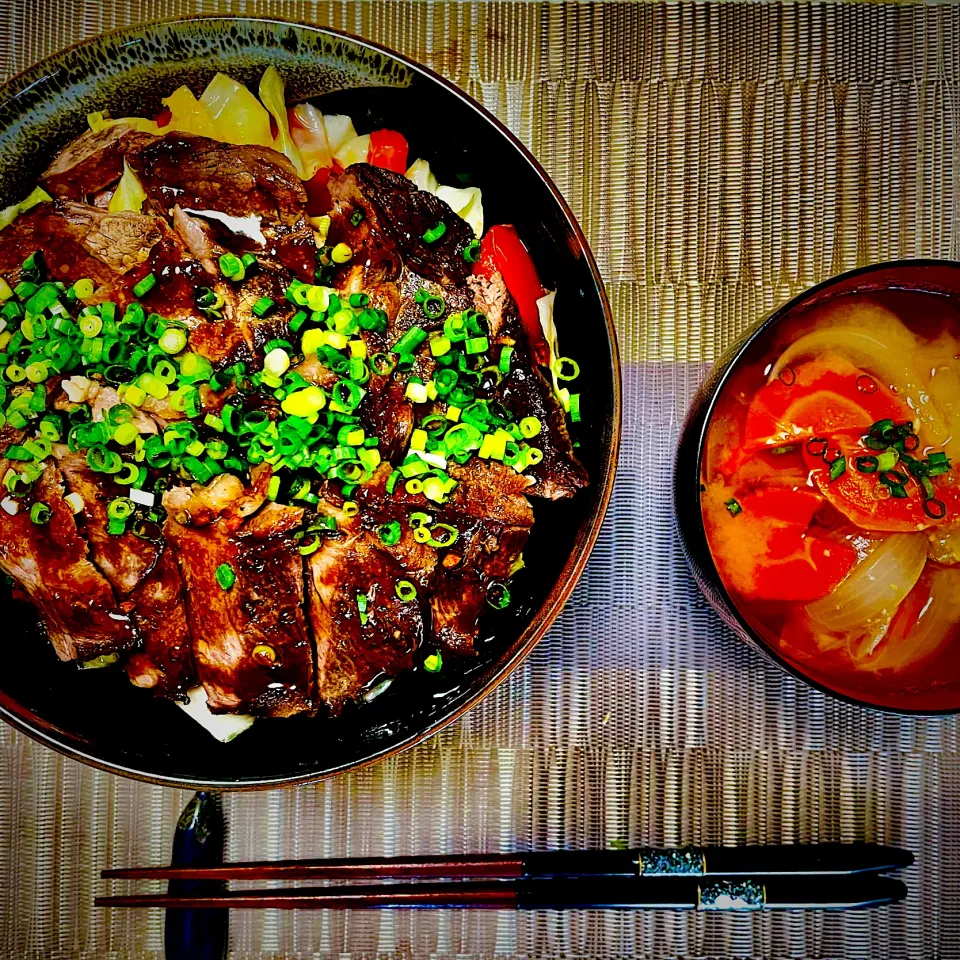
<point>720,158</point>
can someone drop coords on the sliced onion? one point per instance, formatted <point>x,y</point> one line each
<point>876,586</point>
<point>939,617</point>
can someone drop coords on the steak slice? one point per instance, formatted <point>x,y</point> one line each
<point>526,392</point>
<point>493,519</point>
<point>50,563</point>
<point>165,662</point>
<point>356,646</point>
<point>92,162</point>
<point>395,217</point>
<point>125,559</point>
<point>199,174</point>
<point>251,647</point>
<point>114,250</point>
<point>143,572</point>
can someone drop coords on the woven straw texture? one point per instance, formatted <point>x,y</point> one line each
<point>720,159</point>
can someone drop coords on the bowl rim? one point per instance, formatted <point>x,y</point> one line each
<point>724,368</point>
<point>568,577</point>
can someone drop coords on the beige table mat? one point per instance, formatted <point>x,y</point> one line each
<point>720,158</point>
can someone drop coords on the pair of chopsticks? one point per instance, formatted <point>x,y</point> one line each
<point>795,877</point>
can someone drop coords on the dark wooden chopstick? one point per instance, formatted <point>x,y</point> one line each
<point>673,893</point>
<point>785,860</point>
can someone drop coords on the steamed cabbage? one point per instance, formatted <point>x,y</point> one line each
<point>129,195</point>
<point>272,96</point>
<point>237,115</point>
<point>9,214</point>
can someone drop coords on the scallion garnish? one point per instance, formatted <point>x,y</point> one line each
<point>40,513</point>
<point>142,288</point>
<point>433,662</point>
<point>435,232</point>
<point>225,576</point>
<point>498,596</point>
<point>733,507</point>
<point>838,468</point>
<point>405,590</point>
<point>471,252</point>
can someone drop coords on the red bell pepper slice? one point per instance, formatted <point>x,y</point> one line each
<point>503,251</point>
<point>388,149</point>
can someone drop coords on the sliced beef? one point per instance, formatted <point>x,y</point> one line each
<point>251,647</point>
<point>357,646</point>
<point>458,298</point>
<point>164,663</point>
<point>487,551</point>
<point>198,174</point>
<point>493,519</point>
<point>526,392</point>
<point>377,507</point>
<point>395,217</point>
<point>93,162</point>
<point>50,563</point>
<point>124,559</point>
<point>114,250</point>
<point>238,335</point>
<point>145,574</point>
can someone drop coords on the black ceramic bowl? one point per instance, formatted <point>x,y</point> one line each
<point>939,277</point>
<point>96,715</point>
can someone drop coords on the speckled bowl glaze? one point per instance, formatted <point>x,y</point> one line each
<point>97,716</point>
<point>941,277</point>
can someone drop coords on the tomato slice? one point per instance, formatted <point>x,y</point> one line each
<point>502,250</point>
<point>388,149</point>
<point>163,118</point>
<point>864,499</point>
<point>769,551</point>
<point>822,397</point>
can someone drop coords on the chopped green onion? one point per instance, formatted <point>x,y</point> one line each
<point>733,507</point>
<point>263,306</point>
<point>433,307</point>
<point>232,267</point>
<point>435,232</point>
<point>471,252</point>
<point>40,513</point>
<point>410,341</point>
<point>273,487</point>
<point>565,369</point>
<point>341,253</point>
<point>390,533</point>
<point>83,289</point>
<point>225,576</point>
<point>838,468</point>
<point>173,340</point>
<point>120,508</point>
<point>142,288</point>
<point>433,662</point>
<point>90,326</point>
<point>498,596</point>
<point>406,590</point>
